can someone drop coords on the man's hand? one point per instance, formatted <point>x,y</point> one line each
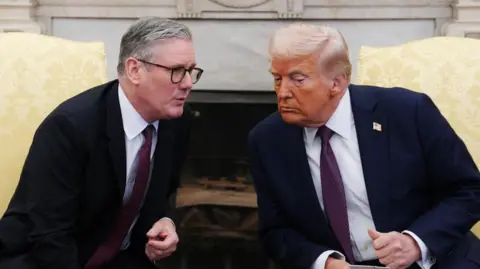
<point>162,240</point>
<point>395,250</point>
<point>333,263</point>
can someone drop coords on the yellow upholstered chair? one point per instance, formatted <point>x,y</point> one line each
<point>37,73</point>
<point>445,68</point>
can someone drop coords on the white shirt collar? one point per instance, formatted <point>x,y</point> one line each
<point>340,122</point>
<point>133,123</point>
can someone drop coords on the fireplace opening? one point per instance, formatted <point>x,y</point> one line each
<point>215,207</point>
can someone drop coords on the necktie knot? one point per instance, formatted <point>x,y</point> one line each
<point>148,132</point>
<point>325,134</point>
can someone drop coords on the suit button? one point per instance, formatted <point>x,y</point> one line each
<point>432,260</point>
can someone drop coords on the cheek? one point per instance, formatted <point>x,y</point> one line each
<point>304,94</point>
<point>162,89</point>
<point>311,99</point>
<point>164,95</point>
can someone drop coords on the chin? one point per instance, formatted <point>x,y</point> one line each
<point>291,118</point>
<point>175,112</point>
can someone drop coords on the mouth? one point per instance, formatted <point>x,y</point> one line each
<point>287,109</point>
<point>179,101</point>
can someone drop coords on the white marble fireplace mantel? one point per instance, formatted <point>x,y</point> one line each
<point>248,9</point>
<point>236,59</point>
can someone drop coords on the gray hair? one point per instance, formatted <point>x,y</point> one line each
<point>144,33</point>
<point>299,39</point>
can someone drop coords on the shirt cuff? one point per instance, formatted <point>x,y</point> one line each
<point>427,260</point>
<point>167,218</point>
<point>322,259</point>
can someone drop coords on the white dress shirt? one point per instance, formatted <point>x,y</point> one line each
<point>133,126</point>
<point>345,146</point>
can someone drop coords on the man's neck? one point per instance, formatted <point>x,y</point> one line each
<point>129,91</point>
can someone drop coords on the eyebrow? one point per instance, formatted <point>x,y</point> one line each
<point>183,66</point>
<point>296,72</point>
<point>292,72</point>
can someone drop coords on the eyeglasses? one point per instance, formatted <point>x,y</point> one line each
<point>178,73</point>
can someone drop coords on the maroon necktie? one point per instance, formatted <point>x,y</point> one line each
<point>108,249</point>
<point>335,204</point>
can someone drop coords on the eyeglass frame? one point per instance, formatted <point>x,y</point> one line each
<point>200,70</point>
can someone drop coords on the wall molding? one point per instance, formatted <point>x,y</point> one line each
<point>249,9</point>
<point>466,20</point>
<point>36,15</point>
<point>19,16</point>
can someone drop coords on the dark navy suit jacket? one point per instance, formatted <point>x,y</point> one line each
<point>418,173</point>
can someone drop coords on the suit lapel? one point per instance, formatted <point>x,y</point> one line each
<point>163,155</point>
<point>374,152</point>
<point>115,133</point>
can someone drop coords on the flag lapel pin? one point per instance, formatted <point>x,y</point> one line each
<point>377,126</point>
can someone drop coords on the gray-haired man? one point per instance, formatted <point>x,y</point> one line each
<point>94,188</point>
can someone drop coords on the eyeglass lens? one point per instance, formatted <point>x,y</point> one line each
<point>179,73</point>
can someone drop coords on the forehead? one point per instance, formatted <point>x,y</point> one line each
<point>175,52</point>
<point>304,64</point>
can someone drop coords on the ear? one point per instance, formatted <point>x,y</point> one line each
<point>133,70</point>
<point>340,83</point>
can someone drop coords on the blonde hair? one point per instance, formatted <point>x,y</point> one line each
<point>299,39</point>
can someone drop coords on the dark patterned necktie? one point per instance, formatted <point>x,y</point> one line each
<point>334,201</point>
<point>108,249</point>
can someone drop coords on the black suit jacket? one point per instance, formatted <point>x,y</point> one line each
<point>418,174</point>
<point>73,181</point>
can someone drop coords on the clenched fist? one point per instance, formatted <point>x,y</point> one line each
<point>395,250</point>
<point>162,240</point>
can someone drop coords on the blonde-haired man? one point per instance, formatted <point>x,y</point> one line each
<point>349,174</point>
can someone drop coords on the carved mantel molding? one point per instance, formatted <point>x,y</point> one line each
<point>250,9</point>
<point>466,20</point>
<point>18,16</point>
<point>26,11</point>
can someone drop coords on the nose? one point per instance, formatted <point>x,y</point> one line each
<point>283,91</point>
<point>186,82</point>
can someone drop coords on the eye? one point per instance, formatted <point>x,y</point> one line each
<point>277,80</point>
<point>298,78</point>
<point>298,81</point>
<point>178,70</point>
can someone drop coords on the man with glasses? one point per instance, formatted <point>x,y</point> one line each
<point>95,185</point>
